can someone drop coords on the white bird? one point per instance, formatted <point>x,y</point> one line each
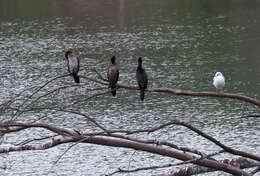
<point>219,82</point>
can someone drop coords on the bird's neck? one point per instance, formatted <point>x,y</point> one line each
<point>115,63</point>
<point>139,64</point>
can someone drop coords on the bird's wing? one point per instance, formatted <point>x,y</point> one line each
<point>141,78</point>
<point>113,74</point>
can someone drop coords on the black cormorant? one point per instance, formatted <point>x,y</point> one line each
<point>112,75</point>
<point>73,65</point>
<point>141,78</point>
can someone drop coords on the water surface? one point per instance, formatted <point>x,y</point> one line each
<point>183,44</point>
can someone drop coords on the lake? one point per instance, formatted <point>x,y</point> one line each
<point>183,44</point>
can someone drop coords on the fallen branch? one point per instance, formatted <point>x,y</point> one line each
<point>127,144</point>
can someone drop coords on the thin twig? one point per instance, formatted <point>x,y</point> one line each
<point>35,92</point>
<point>33,140</point>
<point>255,171</point>
<point>93,80</point>
<point>84,100</point>
<point>100,76</point>
<point>120,170</point>
<point>227,149</point>
<point>72,112</point>
<point>55,162</point>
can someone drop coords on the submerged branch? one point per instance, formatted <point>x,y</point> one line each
<point>120,170</point>
<point>241,163</point>
<point>256,170</point>
<point>253,115</point>
<point>193,169</point>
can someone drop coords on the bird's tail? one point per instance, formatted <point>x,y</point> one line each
<point>142,94</point>
<point>113,90</point>
<point>76,78</point>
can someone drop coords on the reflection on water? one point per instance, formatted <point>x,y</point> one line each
<point>183,44</point>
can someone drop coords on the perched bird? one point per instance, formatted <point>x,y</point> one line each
<point>112,75</point>
<point>219,82</point>
<point>141,78</point>
<point>73,65</point>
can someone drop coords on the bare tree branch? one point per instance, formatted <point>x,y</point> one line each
<point>200,94</point>
<point>53,143</point>
<point>84,100</point>
<point>185,93</point>
<point>93,80</point>
<point>99,75</point>
<point>60,131</point>
<point>125,144</point>
<point>175,122</point>
<point>35,92</point>
<point>156,142</point>
<point>227,149</point>
<point>73,112</point>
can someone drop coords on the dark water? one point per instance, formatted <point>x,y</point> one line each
<point>183,44</point>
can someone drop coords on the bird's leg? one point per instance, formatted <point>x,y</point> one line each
<point>217,91</point>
